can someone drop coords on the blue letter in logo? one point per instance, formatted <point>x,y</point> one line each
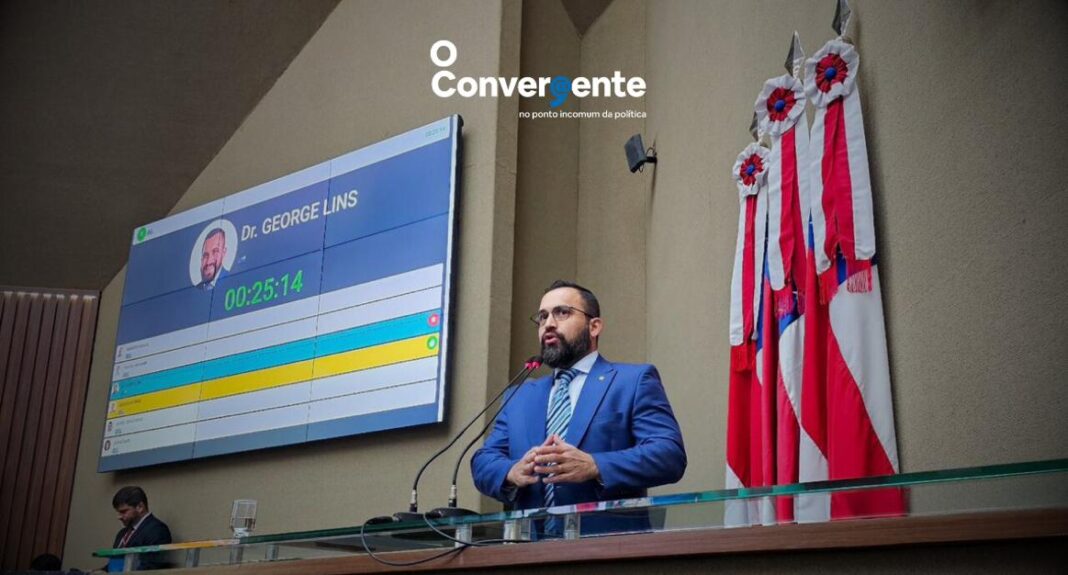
<point>561,89</point>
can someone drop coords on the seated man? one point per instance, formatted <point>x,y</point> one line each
<point>593,431</point>
<point>140,526</point>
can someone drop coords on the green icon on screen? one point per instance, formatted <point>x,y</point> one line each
<point>432,342</point>
<point>142,233</point>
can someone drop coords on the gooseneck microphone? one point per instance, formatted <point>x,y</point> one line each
<point>413,505</point>
<point>451,511</point>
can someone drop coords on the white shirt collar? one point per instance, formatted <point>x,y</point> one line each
<point>140,521</point>
<point>583,365</point>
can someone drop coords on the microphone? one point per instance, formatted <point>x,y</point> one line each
<point>413,505</point>
<point>452,511</point>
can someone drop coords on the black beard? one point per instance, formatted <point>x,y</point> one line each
<point>565,353</point>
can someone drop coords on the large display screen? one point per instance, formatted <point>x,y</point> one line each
<point>310,307</point>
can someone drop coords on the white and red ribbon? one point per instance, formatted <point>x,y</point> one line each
<point>780,109</point>
<point>750,173</point>
<point>841,199</point>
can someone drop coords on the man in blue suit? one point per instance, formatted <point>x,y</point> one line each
<point>592,431</point>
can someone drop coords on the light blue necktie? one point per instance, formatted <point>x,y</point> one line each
<point>559,418</point>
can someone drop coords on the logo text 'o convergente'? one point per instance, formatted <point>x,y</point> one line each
<point>445,84</point>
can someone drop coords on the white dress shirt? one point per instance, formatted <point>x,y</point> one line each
<point>582,367</point>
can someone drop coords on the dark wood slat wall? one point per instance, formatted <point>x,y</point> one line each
<point>46,343</point>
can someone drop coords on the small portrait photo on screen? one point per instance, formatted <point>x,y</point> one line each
<point>213,254</point>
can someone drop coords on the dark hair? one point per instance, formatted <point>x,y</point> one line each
<point>46,562</point>
<point>130,495</point>
<point>214,232</point>
<point>593,307</point>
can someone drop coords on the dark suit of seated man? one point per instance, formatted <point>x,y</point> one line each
<point>593,431</point>
<point>140,526</point>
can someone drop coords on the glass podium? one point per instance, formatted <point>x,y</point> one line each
<point>1036,485</point>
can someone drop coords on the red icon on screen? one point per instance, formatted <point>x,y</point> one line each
<point>434,320</point>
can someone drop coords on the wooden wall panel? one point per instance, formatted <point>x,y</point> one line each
<point>36,501</point>
<point>46,342</point>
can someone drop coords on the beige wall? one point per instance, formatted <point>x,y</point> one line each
<point>547,210</point>
<point>968,171</point>
<point>613,203</point>
<point>579,210</point>
<point>363,77</point>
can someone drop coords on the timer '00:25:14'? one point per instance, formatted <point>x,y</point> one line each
<point>263,291</point>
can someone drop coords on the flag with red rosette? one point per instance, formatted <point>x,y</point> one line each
<point>842,215</point>
<point>780,110</point>
<point>846,409</point>
<point>745,436</point>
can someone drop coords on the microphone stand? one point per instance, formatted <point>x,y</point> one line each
<point>452,510</point>
<point>413,504</point>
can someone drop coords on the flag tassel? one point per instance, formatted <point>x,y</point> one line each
<point>859,280</point>
<point>784,302</point>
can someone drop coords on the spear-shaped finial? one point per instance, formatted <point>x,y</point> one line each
<point>841,17</point>
<point>795,58</point>
<point>754,128</point>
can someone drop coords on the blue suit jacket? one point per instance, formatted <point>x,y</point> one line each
<point>622,418</point>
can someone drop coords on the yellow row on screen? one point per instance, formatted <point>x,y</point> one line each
<point>349,361</point>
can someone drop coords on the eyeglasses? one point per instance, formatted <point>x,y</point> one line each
<point>560,313</point>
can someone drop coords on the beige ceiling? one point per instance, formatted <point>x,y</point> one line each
<point>110,110</point>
